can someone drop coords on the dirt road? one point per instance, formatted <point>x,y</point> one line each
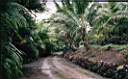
<point>56,68</point>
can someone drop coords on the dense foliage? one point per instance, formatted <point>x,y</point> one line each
<point>18,43</point>
<point>110,23</point>
<point>107,20</point>
<point>23,40</point>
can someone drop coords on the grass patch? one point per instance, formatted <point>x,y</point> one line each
<point>118,47</point>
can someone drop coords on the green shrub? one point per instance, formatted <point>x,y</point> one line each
<point>14,18</point>
<point>11,61</point>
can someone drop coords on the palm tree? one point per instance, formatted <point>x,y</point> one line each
<point>16,27</point>
<point>77,12</point>
<point>109,17</point>
<point>62,25</point>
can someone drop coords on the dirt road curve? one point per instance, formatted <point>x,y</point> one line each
<point>57,68</point>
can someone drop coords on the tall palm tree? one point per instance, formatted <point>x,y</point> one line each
<point>77,11</point>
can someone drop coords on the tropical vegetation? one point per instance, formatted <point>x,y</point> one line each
<point>76,24</point>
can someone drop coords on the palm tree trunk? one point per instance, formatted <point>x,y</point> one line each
<point>84,33</point>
